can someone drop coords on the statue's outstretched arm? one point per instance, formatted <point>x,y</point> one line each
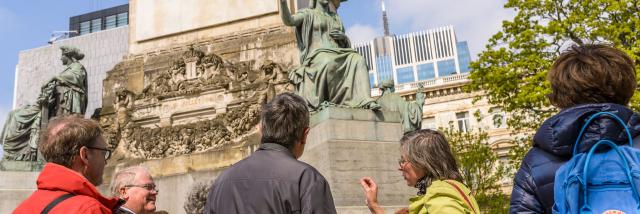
<point>287,18</point>
<point>420,95</point>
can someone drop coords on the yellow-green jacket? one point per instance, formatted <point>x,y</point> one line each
<point>442,197</point>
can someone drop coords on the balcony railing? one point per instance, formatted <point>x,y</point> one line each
<point>433,82</point>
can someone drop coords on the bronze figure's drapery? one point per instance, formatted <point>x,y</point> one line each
<point>65,93</point>
<point>330,72</point>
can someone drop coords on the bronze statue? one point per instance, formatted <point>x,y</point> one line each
<point>330,72</point>
<point>65,93</point>
<point>410,112</point>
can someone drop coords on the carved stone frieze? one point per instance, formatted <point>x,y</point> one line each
<point>196,72</point>
<point>152,143</point>
<point>192,102</point>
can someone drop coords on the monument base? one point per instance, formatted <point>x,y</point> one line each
<point>15,187</point>
<point>348,144</point>
<point>27,166</point>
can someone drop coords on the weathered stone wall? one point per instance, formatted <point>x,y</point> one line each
<point>188,110</point>
<point>156,25</point>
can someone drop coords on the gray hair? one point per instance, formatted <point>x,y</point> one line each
<point>284,119</point>
<point>125,177</point>
<point>429,151</point>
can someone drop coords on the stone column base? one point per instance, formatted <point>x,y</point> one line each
<point>347,144</point>
<point>15,187</point>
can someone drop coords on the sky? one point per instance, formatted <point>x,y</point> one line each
<point>28,24</point>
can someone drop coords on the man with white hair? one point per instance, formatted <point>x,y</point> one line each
<point>136,185</point>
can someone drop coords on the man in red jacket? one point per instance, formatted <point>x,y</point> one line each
<point>76,154</point>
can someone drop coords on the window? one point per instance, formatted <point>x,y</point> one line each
<point>96,25</point>
<point>498,118</point>
<point>464,58</point>
<point>463,121</point>
<point>123,19</point>
<point>426,71</point>
<point>429,123</point>
<point>405,75</point>
<point>110,22</point>
<point>383,65</point>
<point>85,27</point>
<point>446,68</point>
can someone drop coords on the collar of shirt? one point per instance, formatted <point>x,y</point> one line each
<point>276,147</point>
<point>126,210</point>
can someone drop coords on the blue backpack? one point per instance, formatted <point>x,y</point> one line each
<point>602,182</point>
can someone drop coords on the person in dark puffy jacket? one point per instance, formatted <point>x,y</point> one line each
<point>585,80</point>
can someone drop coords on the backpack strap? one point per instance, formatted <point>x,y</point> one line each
<point>56,202</point>
<point>463,195</point>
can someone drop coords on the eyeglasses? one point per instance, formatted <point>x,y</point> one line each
<point>107,153</point>
<point>150,187</point>
<point>402,161</point>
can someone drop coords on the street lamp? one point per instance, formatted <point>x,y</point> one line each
<point>57,35</point>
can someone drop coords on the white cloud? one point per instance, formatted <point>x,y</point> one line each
<point>360,33</point>
<point>474,21</point>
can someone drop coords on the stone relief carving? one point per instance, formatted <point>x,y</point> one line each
<point>152,143</point>
<point>249,85</point>
<point>196,72</point>
<point>122,106</point>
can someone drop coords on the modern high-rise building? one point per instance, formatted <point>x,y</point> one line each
<point>437,60</point>
<point>415,57</point>
<point>100,20</point>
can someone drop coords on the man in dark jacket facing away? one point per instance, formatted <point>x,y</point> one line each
<point>272,180</point>
<point>585,80</point>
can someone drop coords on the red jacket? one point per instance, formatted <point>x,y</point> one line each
<point>56,180</point>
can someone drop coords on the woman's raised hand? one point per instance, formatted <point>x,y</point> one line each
<point>371,194</point>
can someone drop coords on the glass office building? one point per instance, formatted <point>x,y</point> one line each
<point>416,57</point>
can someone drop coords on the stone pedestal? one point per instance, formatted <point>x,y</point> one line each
<point>347,144</point>
<point>31,166</point>
<point>15,187</point>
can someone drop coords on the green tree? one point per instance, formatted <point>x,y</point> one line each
<point>481,168</point>
<point>512,70</point>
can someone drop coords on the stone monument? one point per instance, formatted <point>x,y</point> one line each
<point>65,93</point>
<point>191,110</point>
<point>185,102</point>
<point>352,135</point>
<point>331,73</point>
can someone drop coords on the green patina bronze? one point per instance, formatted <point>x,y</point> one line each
<point>64,94</point>
<point>331,73</point>
<point>410,111</point>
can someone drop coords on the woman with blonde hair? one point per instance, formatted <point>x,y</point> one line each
<point>428,165</point>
